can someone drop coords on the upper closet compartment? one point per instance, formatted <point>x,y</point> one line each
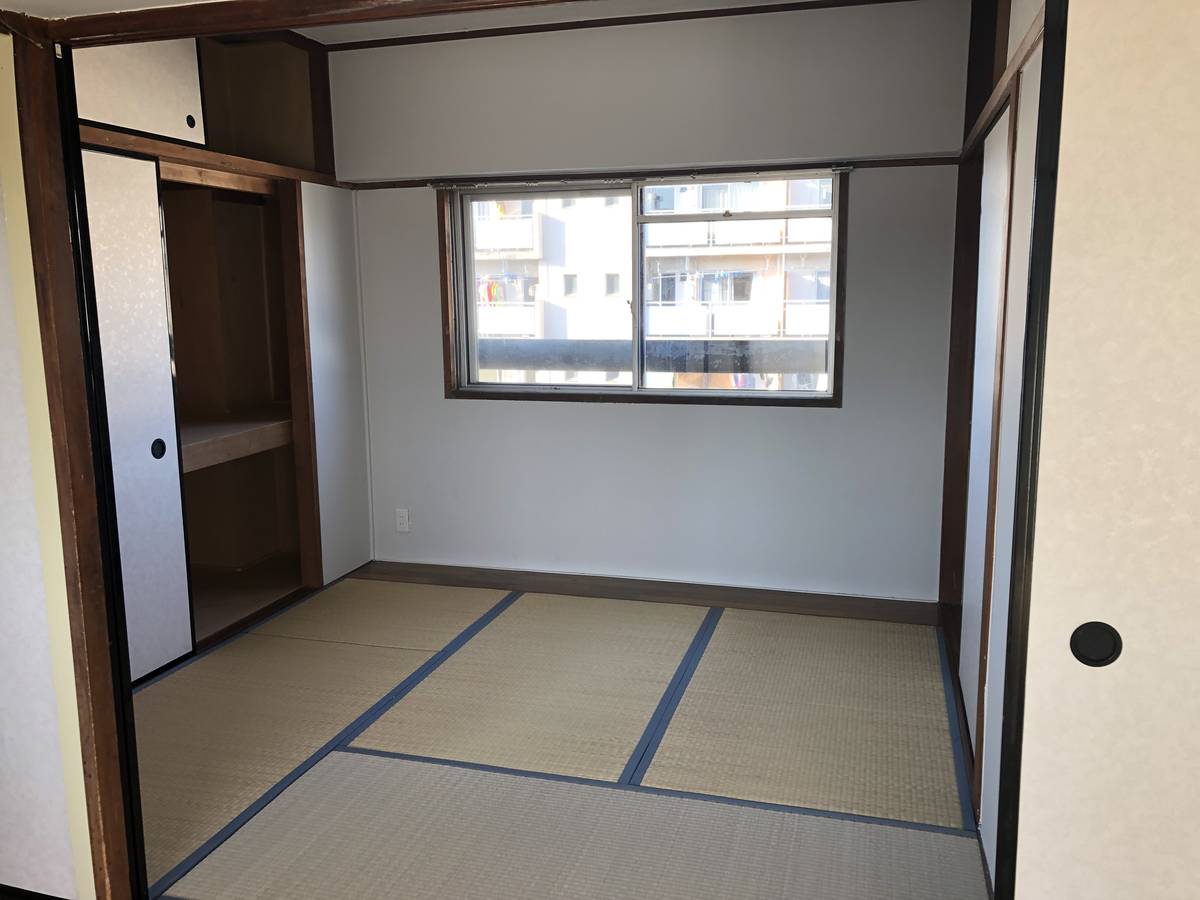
<point>153,88</point>
<point>262,99</point>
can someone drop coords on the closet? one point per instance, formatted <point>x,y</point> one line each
<point>214,277</point>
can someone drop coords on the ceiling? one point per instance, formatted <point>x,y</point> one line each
<point>419,25</point>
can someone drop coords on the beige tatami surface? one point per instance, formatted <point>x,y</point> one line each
<point>563,685</point>
<point>835,715</point>
<point>358,827</point>
<point>826,713</point>
<point>215,735</point>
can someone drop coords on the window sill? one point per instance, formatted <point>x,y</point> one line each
<point>696,398</point>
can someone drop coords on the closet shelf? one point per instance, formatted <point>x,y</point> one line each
<point>212,442</point>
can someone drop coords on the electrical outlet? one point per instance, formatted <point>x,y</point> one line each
<point>402,521</point>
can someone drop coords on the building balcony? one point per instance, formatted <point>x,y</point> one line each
<point>512,237</point>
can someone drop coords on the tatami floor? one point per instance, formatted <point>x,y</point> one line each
<point>383,739</point>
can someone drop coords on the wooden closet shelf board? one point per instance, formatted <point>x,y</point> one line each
<point>212,443</point>
<point>182,173</point>
<point>99,138</point>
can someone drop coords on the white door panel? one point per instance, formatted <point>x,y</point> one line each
<point>1110,776</point>
<point>1007,445</point>
<point>152,87</point>
<point>132,317</point>
<point>993,241</point>
<point>339,400</point>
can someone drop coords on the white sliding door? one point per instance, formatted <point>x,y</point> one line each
<point>339,399</point>
<point>1007,446</point>
<point>1110,768</point>
<point>993,256</point>
<point>132,317</point>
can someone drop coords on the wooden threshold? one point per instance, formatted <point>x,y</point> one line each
<point>909,612</point>
<point>98,138</point>
<point>211,443</point>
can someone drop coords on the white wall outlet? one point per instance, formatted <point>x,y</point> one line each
<point>402,521</point>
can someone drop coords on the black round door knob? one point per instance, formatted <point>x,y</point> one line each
<point>1096,644</point>
<point>191,121</point>
<point>158,449</point>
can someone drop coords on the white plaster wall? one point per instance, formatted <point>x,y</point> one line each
<point>840,500</point>
<point>807,85</point>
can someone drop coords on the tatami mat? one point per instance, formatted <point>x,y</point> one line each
<point>358,827</point>
<point>215,735</point>
<point>385,614</point>
<point>555,684</point>
<point>827,713</point>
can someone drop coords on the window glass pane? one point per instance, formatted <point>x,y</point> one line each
<point>797,194</point>
<point>549,298</point>
<point>750,305</point>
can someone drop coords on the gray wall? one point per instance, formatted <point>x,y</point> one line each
<point>815,84</point>
<point>845,501</point>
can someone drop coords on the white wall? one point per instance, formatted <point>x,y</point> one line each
<point>339,398</point>
<point>844,501</point>
<point>847,501</point>
<point>812,84</point>
<point>43,818</point>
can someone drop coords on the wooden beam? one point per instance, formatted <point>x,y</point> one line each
<point>181,173</point>
<point>71,429</point>
<point>241,16</point>
<point>233,16</point>
<point>107,139</point>
<point>911,612</point>
<point>718,12</point>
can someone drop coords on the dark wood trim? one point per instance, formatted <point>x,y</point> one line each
<point>295,286</point>
<point>71,426</point>
<point>183,173</point>
<point>239,16</point>
<point>989,541</point>
<point>187,154</point>
<point>22,25</point>
<point>839,310</point>
<point>882,162</point>
<point>696,398</point>
<point>321,106</point>
<point>1000,51</point>
<point>259,615</point>
<point>845,606</point>
<point>445,201</point>
<point>606,22</point>
<point>1003,90</point>
<point>234,16</point>
<point>1050,105</point>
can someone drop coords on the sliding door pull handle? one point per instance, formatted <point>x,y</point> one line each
<point>1096,644</point>
<point>158,448</point>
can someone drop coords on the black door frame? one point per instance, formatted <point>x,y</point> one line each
<point>1054,48</point>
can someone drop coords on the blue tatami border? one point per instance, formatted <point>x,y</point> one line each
<point>647,746</point>
<point>663,792</point>
<point>345,736</point>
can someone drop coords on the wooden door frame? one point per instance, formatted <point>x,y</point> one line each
<point>84,478</point>
<point>1054,49</point>
<point>84,482</point>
